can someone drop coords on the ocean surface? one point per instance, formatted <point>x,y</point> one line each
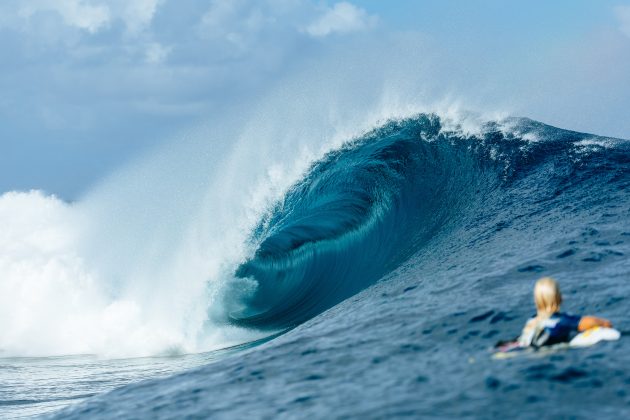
<point>375,286</point>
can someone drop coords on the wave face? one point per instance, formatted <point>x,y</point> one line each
<point>357,214</point>
<point>364,209</point>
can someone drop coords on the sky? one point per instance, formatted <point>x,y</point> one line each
<point>89,85</point>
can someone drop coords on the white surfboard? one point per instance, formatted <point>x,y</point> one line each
<point>594,336</point>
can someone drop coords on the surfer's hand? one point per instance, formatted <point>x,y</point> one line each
<point>588,322</point>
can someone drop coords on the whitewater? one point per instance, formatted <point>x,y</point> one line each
<point>353,254</point>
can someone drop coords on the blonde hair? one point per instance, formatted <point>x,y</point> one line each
<point>547,297</point>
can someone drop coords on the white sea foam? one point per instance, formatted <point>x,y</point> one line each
<point>598,142</point>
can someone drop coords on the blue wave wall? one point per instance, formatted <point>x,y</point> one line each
<point>364,209</point>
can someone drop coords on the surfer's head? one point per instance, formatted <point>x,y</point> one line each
<point>547,296</point>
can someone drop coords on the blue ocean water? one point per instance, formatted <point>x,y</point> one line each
<point>383,278</point>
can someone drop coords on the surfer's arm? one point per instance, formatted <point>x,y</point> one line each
<point>588,322</point>
<point>526,337</point>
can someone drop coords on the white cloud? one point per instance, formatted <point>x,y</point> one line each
<point>76,13</point>
<point>89,15</point>
<point>157,53</point>
<point>238,22</point>
<point>226,20</point>
<point>241,22</point>
<point>220,13</point>
<point>137,14</point>
<point>343,17</point>
<point>623,14</point>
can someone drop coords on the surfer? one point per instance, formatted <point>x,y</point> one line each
<point>550,326</point>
